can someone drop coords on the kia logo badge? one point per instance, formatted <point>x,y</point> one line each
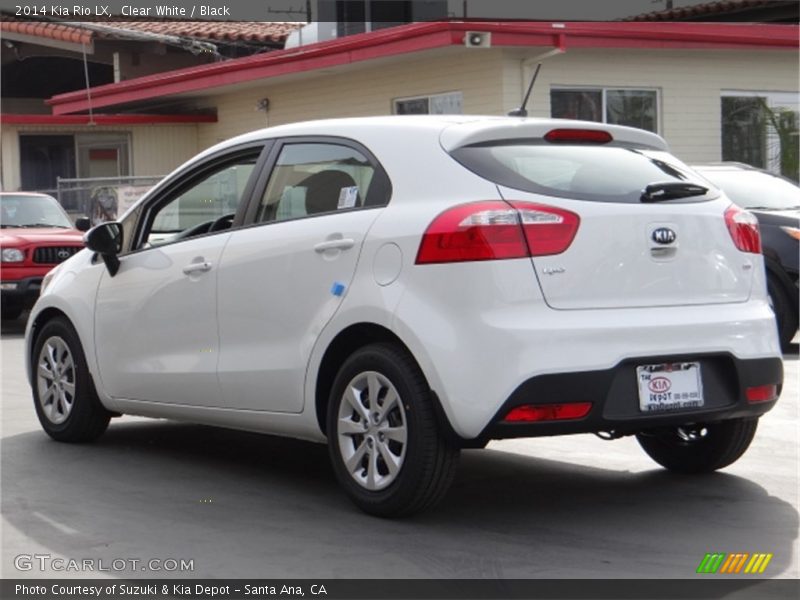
<point>659,385</point>
<point>63,254</point>
<point>664,235</point>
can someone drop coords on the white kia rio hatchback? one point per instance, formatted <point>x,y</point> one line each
<point>403,287</point>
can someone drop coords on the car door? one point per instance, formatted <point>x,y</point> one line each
<point>283,277</point>
<point>156,319</point>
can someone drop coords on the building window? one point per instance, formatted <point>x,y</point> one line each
<point>103,154</point>
<point>357,16</point>
<point>761,129</point>
<point>451,103</point>
<point>46,158</point>
<point>631,107</point>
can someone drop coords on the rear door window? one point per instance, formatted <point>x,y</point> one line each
<point>310,179</point>
<point>581,172</point>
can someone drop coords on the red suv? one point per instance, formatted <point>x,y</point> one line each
<point>36,234</point>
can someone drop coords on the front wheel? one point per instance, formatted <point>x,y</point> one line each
<point>385,445</point>
<point>699,448</point>
<point>63,392</point>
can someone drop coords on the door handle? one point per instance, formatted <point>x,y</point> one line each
<point>340,244</point>
<point>198,267</point>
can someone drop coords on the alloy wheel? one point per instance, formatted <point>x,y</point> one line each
<point>55,380</point>
<point>372,431</point>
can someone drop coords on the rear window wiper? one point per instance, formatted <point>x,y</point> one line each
<point>671,190</point>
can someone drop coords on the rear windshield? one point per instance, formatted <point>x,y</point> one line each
<point>581,172</point>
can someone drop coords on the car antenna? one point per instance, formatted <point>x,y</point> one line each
<point>521,111</point>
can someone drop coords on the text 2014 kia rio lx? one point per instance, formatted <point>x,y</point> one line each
<point>403,287</point>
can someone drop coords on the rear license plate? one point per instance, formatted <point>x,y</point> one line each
<point>669,386</point>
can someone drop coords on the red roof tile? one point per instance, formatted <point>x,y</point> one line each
<point>220,31</point>
<point>53,31</point>
<point>214,30</point>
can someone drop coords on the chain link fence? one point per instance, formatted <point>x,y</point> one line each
<point>102,198</point>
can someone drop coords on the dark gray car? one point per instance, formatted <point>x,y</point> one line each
<point>775,201</point>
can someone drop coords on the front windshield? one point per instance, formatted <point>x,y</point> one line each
<point>32,211</point>
<point>753,189</point>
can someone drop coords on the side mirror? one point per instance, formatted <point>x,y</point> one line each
<point>106,240</point>
<point>83,223</point>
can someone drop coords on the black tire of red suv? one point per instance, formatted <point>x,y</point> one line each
<point>429,462</point>
<point>87,419</point>
<point>785,311</point>
<point>721,445</point>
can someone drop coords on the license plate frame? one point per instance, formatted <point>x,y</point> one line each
<point>668,387</point>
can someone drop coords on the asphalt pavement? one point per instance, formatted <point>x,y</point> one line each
<point>240,505</point>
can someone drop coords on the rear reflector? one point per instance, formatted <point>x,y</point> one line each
<point>762,393</point>
<point>495,230</point>
<point>548,412</point>
<point>743,227</point>
<point>578,136</point>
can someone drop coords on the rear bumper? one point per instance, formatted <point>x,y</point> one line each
<point>478,344</point>
<point>615,401</point>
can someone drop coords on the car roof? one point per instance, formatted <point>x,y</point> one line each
<point>461,129</point>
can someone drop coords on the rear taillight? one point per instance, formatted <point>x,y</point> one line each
<point>762,393</point>
<point>494,230</point>
<point>529,413</point>
<point>480,231</point>
<point>743,227</point>
<point>548,230</point>
<point>578,136</point>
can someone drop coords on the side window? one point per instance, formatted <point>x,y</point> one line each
<point>208,204</point>
<point>316,178</point>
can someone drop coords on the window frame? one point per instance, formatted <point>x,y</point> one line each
<point>604,89</point>
<point>260,188</point>
<point>772,98</point>
<point>427,97</point>
<point>181,182</point>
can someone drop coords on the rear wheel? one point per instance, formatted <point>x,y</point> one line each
<point>385,445</point>
<point>785,311</point>
<point>63,392</point>
<point>699,448</point>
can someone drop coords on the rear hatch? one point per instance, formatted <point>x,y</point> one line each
<point>650,231</point>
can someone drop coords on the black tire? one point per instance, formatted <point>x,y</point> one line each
<point>87,419</point>
<point>428,460</point>
<point>10,313</point>
<point>719,445</point>
<point>785,311</point>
